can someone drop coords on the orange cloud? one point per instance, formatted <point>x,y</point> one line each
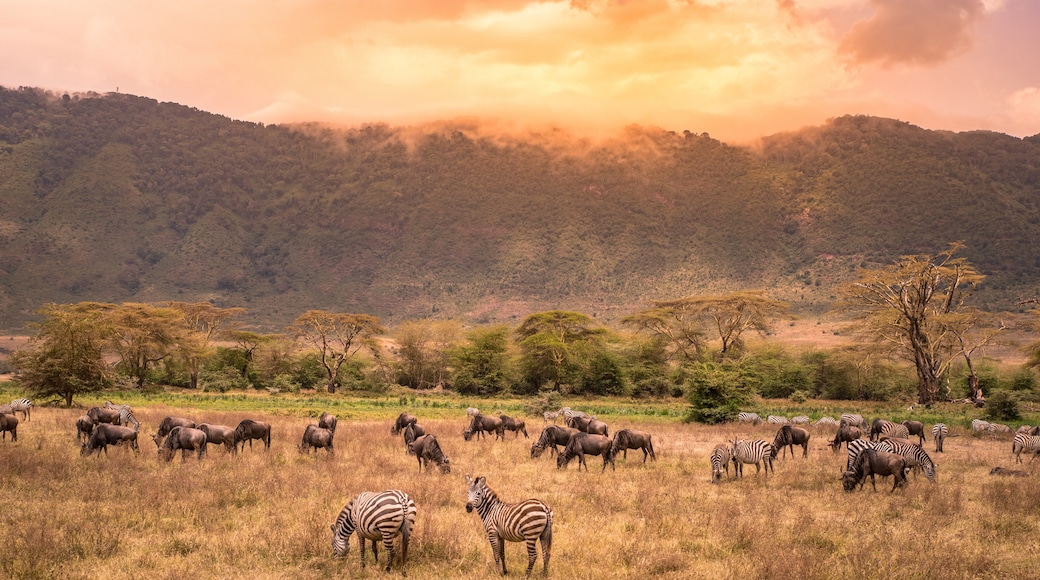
<point>915,32</point>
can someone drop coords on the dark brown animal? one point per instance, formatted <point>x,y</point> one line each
<point>9,423</point>
<point>589,425</point>
<point>583,444</point>
<point>787,437</point>
<point>871,462</point>
<point>186,439</point>
<point>219,435</point>
<point>106,434</point>
<point>481,424</point>
<point>248,430</point>
<point>103,415</point>
<point>845,434</point>
<point>327,421</point>
<point>403,420</point>
<point>315,438</point>
<point>517,426</point>
<point>427,449</point>
<point>916,428</point>
<point>1008,472</point>
<point>552,436</point>
<point>84,427</point>
<point>168,423</point>
<point>412,432</point>
<point>626,439</point>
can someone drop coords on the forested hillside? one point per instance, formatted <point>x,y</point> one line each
<point>121,198</point>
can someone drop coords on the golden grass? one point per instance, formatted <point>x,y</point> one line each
<point>267,514</point>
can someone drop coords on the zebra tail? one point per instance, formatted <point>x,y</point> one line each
<point>406,532</point>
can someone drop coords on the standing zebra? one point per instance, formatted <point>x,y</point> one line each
<point>825,421</point>
<point>854,420</point>
<point>757,452</point>
<point>939,433</point>
<point>800,420</point>
<point>978,425</point>
<point>1025,442</point>
<point>374,516</point>
<point>914,454</point>
<point>752,418</point>
<point>882,428</point>
<point>21,406</point>
<point>777,420</point>
<point>527,521</point>
<point>855,448</point>
<point>126,415</point>
<point>569,415</point>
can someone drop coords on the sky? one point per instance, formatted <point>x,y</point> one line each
<point>736,69</point>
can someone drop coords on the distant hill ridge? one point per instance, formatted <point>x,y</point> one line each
<point>122,198</point>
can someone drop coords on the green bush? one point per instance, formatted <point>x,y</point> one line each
<point>716,394</point>
<point>1002,406</point>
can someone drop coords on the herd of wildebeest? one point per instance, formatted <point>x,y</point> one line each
<point>880,447</point>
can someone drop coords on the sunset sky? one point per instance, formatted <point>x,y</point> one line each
<point>737,69</point>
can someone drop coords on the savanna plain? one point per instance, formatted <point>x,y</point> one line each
<point>266,514</point>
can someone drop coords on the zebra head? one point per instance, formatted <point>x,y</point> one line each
<point>477,492</point>
<point>342,529</point>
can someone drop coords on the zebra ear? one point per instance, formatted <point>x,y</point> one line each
<point>469,480</point>
<point>482,480</point>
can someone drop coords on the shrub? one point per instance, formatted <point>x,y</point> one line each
<point>716,394</point>
<point>1001,406</point>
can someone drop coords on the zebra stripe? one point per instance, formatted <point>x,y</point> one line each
<point>756,451</point>
<point>800,420</point>
<point>980,425</point>
<point>777,420</point>
<point>126,415</point>
<point>752,418</point>
<point>888,429</point>
<point>855,448</point>
<point>550,416</point>
<point>21,406</point>
<point>939,433</point>
<point>528,521</point>
<point>1025,442</point>
<point>569,415</point>
<point>852,419</point>
<point>720,458</point>
<point>374,516</point>
<point>914,454</point>
<point>826,421</point>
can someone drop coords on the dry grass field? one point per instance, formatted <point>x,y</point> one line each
<point>267,514</point>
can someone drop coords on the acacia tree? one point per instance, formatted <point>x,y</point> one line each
<point>675,324</point>
<point>248,342</point>
<point>337,337</point>
<point>916,307</point>
<point>142,335</point>
<point>556,345</point>
<point>66,355</point>
<point>423,347</point>
<point>203,322</point>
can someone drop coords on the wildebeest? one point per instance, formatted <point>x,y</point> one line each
<point>552,436</point>
<point>626,439</point>
<point>9,423</point>
<point>482,424</point>
<point>720,458</point>
<point>403,420</point>
<point>916,428</point>
<point>186,439</point>
<point>84,427</point>
<point>845,434</point>
<point>582,444</point>
<point>427,449</point>
<point>103,415</point>
<point>327,421</point>
<point>106,434</point>
<point>517,426</point>
<point>219,435</point>
<point>788,436</point>
<point>316,438</point>
<point>168,423</point>
<point>871,462</point>
<point>248,430</point>
<point>589,425</point>
<point>410,434</point>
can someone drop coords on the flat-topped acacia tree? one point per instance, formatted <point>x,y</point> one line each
<point>337,337</point>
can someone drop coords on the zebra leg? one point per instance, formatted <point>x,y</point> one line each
<point>532,553</point>
<point>498,551</point>
<point>388,543</point>
<point>361,541</point>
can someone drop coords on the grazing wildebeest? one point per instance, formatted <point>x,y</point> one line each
<point>186,439</point>
<point>788,436</point>
<point>316,438</point>
<point>168,423</point>
<point>219,435</point>
<point>9,423</point>
<point>626,439</point>
<point>426,448</point>
<point>590,425</point>
<point>582,444</point>
<point>412,432</point>
<point>327,421</point>
<point>84,427</point>
<point>552,436</point>
<point>403,420</point>
<point>248,430</point>
<point>482,424</point>
<point>720,458</point>
<point>916,428</point>
<point>106,434</point>
<point>103,415</point>
<point>871,462</point>
<point>845,434</point>
<point>517,426</point>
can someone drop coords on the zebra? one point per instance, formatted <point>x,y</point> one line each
<point>882,428</point>
<point>1025,442</point>
<point>978,425</point>
<point>374,516</point>
<point>756,451</point>
<point>777,420</point>
<point>550,416</point>
<point>21,406</point>
<point>528,521</point>
<point>914,454</point>
<point>939,433</point>
<point>569,415</point>
<point>126,415</point>
<point>855,448</point>
<point>999,428</point>
<point>854,420</point>
<point>800,420</point>
<point>752,418</point>
<point>720,458</point>
<point>825,421</point>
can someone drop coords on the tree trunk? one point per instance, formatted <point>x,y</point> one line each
<point>194,379</point>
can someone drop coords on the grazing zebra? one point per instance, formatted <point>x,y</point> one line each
<point>1024,442</point>
<point>777,420</point>
<point>126,415</point>
<point>1024,429</point>
<point>853,420</point>
<point>569,415</point>
<point>375,516</point>
<point>528,521</point>
<point>22,406</point>
<point>756,451</point>
<point>720,458</point>
<point>752,418</point>
<point>800,420</point>
<point>550,416</point>
<point>914,454</point>
<point>939,433</point>
<point>978,425</point>
<point>826,421</point>
<point>999,428</point>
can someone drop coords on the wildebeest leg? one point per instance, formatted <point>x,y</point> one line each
<point>581,462</point>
